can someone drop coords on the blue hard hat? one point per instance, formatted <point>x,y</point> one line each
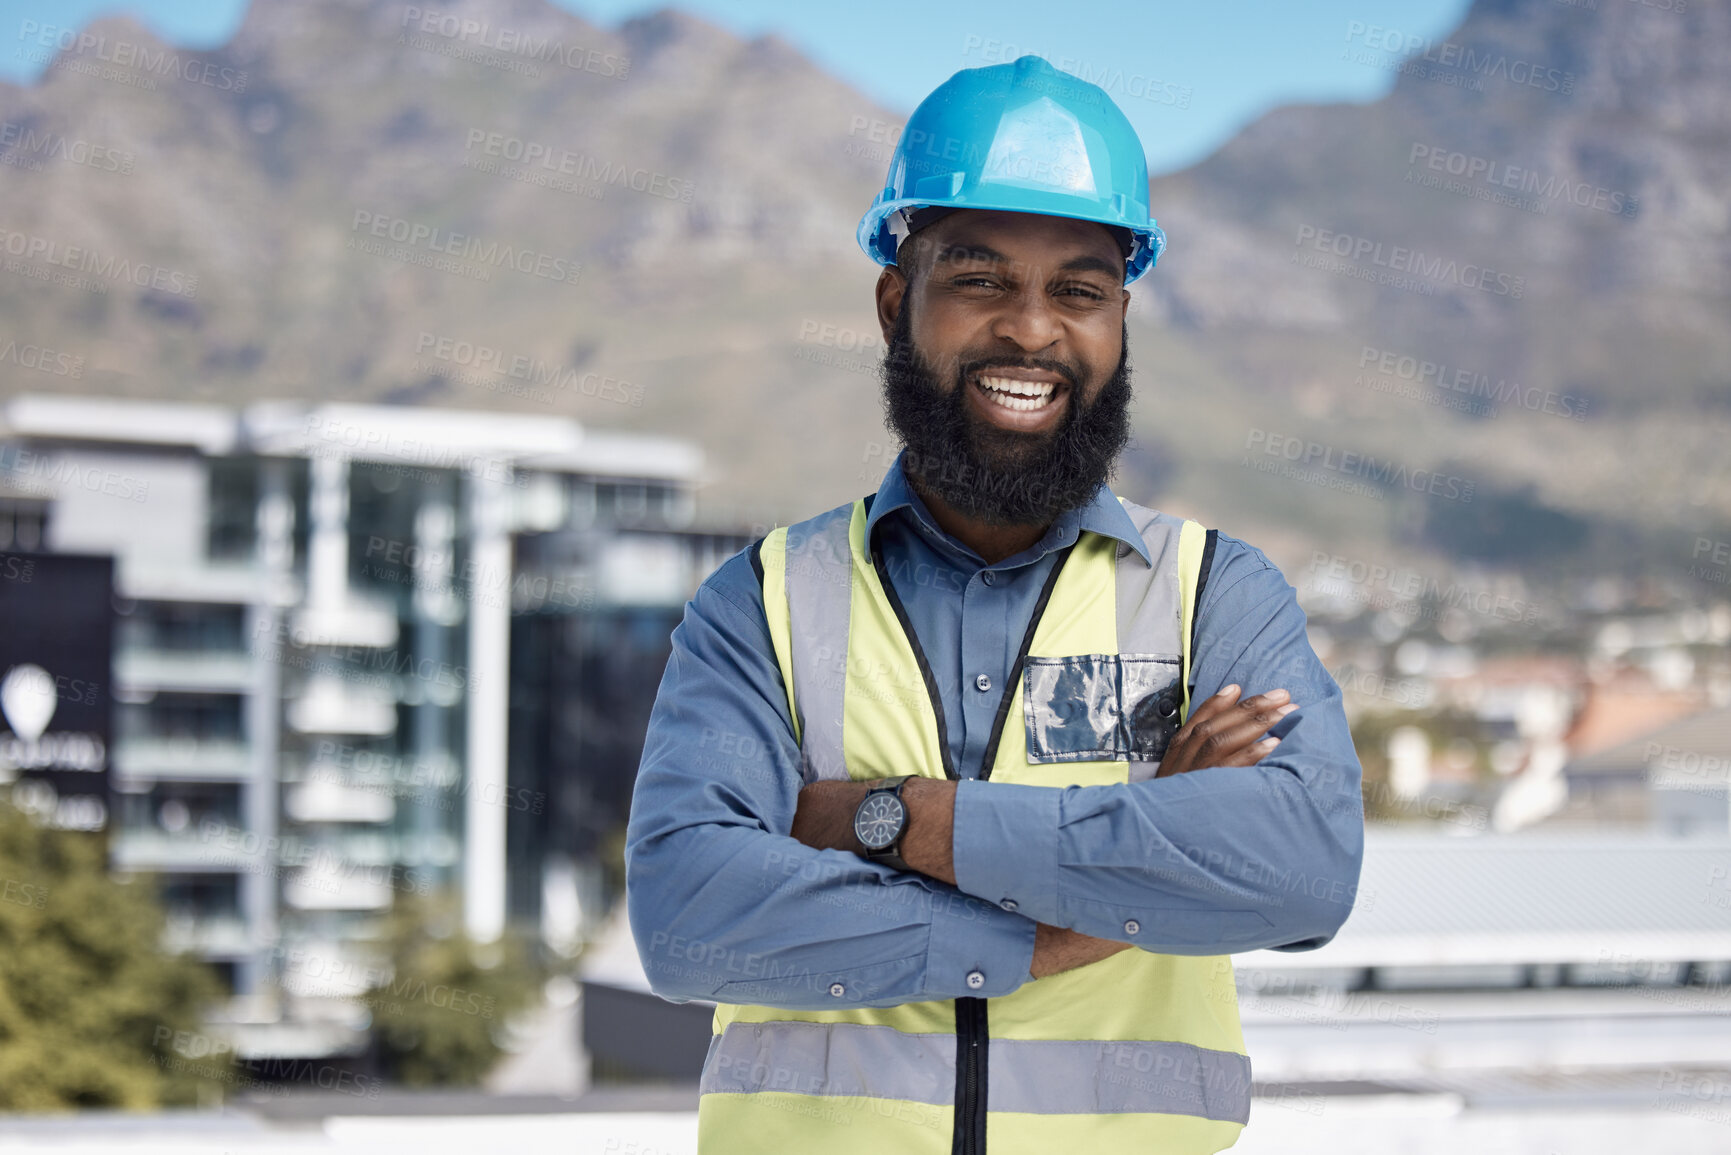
<point>1022,138</point>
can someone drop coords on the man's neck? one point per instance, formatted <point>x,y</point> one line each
<point>992,542</point>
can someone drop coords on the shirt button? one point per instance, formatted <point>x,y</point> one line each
<point>837,989</point>
<point>976,980</point>
<point>1131,926</point>
<point>983,683</point>
<point>1008,904</point>
<point>990,577</point>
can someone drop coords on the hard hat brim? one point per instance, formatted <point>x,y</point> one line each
<point>878,240</point>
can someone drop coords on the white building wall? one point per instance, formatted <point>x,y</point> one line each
<point>151,510</point>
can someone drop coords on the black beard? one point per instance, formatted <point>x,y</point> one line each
<point>1000,476</point>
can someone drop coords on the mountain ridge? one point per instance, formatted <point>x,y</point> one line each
<point>701,191</point>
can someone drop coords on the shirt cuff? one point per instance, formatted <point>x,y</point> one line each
<point>1004,844</point>
<point>976,949</point>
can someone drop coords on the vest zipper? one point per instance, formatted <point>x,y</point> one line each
<point>971,1043</point>
<point>972,1036</point>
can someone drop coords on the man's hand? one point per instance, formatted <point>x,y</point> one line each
<point>1226,732</point>
<point>1221,732</point>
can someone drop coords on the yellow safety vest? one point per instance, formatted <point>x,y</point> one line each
<point>1137,1052</point>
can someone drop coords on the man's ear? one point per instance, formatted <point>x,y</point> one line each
<point>892,292</point>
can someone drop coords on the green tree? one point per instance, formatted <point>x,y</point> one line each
<point>93,1012</point>
<point>438,1013</point>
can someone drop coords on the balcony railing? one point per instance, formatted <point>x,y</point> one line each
<point>333,705</point>
<point>199,581</point>
<point>353,622</point>
<point>185,671</point>
<point>187,852</point>
<point>323,800</point>
<point>147,758</point>
<point>216,936</point>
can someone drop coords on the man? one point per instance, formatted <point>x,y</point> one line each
<point>916,809</point>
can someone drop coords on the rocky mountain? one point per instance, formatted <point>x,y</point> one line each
<point>1511,272</point>
<point>646,215</point>
<point>1541,204</point>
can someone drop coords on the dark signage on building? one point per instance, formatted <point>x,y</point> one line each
<point>56,651</point>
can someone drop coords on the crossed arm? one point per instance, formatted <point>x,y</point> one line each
<point>1225,730</point>
<point>1232,848</point>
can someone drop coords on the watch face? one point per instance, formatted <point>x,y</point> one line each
<point>878,821</point>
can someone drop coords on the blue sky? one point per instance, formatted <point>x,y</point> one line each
<point>1188,74</point>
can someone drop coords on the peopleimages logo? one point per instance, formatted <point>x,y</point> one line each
<point>27,148</point>
<point>556,160</point>
<point>1495,175</point>
<point>1471,383</point>
<point>42,360</point>
<point>517,366</point>
<point>48,474</point>
<point>1400,259</point>
<point>467,31</point>
<point>1383,587</point>
<point>1313,456</point>
<point>81,259</point>
<point>1410,53</point>
<point>464,247</point>
<point>164,62</point>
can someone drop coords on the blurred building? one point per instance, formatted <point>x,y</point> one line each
<point>1499,966</point>
<point>1675,778</point>
<point>362,652</point>
<point>1494,967</point>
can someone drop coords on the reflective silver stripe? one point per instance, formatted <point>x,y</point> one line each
<point>852,1059</point>
<point>1147,599</point>
<point>819,596</point>
<point>1063,1077</point>
<point>1030,1076</point>
<point>1148,595</point>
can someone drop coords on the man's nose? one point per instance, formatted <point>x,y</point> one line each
<point>1028,320</point>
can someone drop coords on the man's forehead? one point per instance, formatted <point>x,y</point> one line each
<point>979,234</point>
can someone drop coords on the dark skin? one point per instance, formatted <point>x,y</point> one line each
<point>995,284</point>
<point>1006,286</point>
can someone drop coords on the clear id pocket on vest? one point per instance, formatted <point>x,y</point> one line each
<point>1100,707</point>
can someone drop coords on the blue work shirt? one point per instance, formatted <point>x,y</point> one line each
<point>726,905</point>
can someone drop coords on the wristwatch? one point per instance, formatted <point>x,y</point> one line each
<point>880,821</point>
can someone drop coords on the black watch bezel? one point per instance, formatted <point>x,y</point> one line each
<point>889,855</point>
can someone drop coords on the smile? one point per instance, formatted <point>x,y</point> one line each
<point>1022,396</point>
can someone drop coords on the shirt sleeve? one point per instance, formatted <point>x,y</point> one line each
<point>724,903</point>
<point>1217,860</point>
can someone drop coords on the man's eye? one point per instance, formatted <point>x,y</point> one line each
<point>983,282</point>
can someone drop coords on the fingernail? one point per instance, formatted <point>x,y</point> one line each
<point>1277,695</point>
<point>1227,692</point>
<point>1269,743</point>
<point>1287,709</point>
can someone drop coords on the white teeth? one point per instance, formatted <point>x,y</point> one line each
<point>1018,387</point>
<point>1015,394</point>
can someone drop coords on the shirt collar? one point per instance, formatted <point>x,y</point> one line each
<point>1103,514</point>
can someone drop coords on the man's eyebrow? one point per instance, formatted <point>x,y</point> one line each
<point>1088,264</point>
<point>1083,264</point>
